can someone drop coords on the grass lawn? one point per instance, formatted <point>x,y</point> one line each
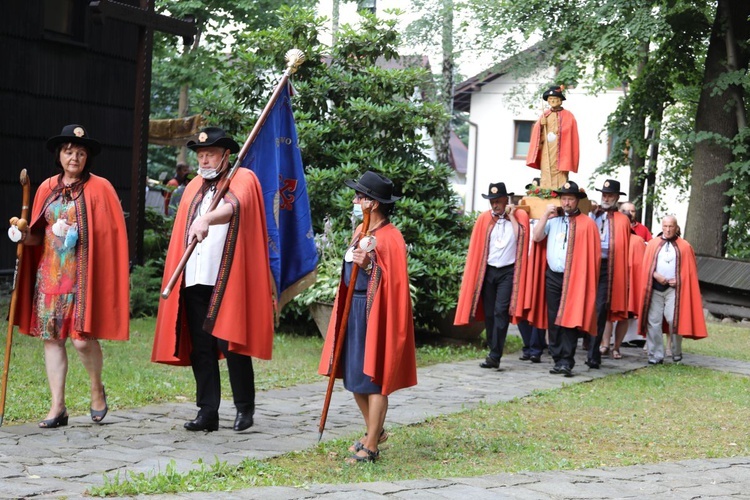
<point>132,380</point>
<point>656,414</point>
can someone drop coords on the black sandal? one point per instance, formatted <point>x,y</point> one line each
<point>357,445</point>
<point>370,456</point>
<point>59,421</point>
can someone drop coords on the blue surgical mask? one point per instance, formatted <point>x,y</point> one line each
<point>357,211</point>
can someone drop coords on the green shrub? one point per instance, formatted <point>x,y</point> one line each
<point>354,115</point>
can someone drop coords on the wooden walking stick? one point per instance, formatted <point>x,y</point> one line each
<point>294,58</point>
<point>338,343</point>
<point>12,314</point>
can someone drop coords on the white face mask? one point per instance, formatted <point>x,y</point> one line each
<point>357,211</point>
<point>207,173</point>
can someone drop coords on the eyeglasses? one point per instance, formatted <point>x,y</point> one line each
<point>360,196</point>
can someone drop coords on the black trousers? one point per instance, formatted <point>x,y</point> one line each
<point>496,290</point>
<point>533,339</point>
<point>205,361</point>
<point>562,340</point>
<point>602,311</point>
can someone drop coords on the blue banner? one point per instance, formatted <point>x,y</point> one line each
<point>277,162</point>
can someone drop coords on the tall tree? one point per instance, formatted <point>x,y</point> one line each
<point>720,117</point>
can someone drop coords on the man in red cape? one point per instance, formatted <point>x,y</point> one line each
<point>628,208</point>
<point>611,296</point>
<point>671,302</point>
<point>495,272</point>
<point>553,148</point>
<point>224,303</point>
<point>563,299</point>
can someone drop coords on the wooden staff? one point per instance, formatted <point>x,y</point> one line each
<point>294,59</point>
<point>12,314</point>
<point>339,340</point>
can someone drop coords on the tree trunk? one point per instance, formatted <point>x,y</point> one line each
<point>443,135</point>
<point>638,160</point>
<point>706,226</point>
<point>334,21</point>
<point>654,138</point>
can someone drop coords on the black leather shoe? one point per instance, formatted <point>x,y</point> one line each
<point>592,365</point>
<point>243,421</point>
<point>536,359</point>
<point>562,370</point>
<point>524,357</point>
<point>203,423</point>
<point>490,363</point>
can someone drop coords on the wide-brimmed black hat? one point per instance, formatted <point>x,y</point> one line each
<point>375,186</point>
<point>571,187</point>
<point>216,137</point>
<point>534,183</point>
<point>77,135</point>
<point>611,186</point>
<point>554,91</point>
<point>496,190</point>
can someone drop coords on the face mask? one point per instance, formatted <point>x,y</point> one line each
<point>207,173</point>
<point>357,211</point>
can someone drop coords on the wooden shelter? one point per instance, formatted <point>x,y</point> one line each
<point>76,61</point>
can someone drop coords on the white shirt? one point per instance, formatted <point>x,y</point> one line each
<point>666,261</point>
<point>202,267</point>
<point>502,244</point>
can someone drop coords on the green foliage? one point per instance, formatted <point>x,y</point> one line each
<point>353,115</point>
<point>145,280</point>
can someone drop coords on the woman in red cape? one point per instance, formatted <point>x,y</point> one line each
<point>74,278</point>
<point>378,355</point>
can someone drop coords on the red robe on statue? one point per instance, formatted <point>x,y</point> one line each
<point>567,150</point>
<point>470,307</point>
<point>582,263</point>
<point>103,296</point>
<point>390,354</point>
<point>688,305</point>
<point>241,310</point>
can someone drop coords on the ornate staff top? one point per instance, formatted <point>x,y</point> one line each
<point>294,59</point>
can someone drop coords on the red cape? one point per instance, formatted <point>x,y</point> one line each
<point>567,150</point>
<point>470,307</point>
<point>582,263</point>
<point>688,306</point>
<point>103,297</point>
<point>241,310</point>
<point>390,355</point>
<point>635,264</point>
<point>619,252</point>
<point>642,231</point>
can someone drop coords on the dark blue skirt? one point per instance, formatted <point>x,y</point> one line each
<point>353,355</point>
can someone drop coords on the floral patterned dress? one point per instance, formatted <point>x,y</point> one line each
<point>55,293</point>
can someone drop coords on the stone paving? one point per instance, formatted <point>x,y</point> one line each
<point>64,462</point>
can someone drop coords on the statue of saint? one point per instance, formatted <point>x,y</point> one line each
<point>554,141</point>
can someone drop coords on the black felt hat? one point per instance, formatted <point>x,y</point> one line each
<point>611,186</point>
<point>554,91</point>
<point>77,135</point>
<point>214,137</point>
<point>375,186</point>
<point>571,187</point>
<point>496,190</point>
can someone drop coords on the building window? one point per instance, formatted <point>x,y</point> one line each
<point>65,20</point>
<point>522,139</point>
